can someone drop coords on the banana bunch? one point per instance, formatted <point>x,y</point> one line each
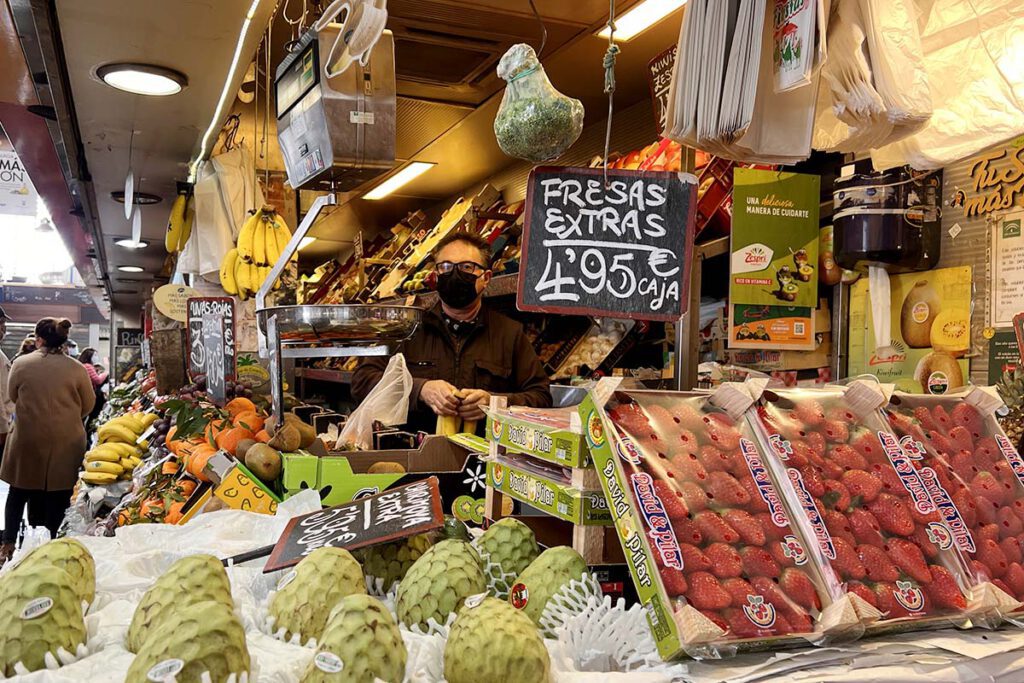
<point>125,429</point>
<point>111,461</point>
<point>260,243</point>
<point>179,225</point>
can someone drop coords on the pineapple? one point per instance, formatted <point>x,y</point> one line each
<point>1011,388</point>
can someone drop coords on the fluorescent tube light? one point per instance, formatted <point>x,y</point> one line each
<point>641,17</point>
<point>400,179</point>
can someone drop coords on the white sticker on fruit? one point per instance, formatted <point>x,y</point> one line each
<point>474,601</point>
<point>328,662</point>
<point>36,608</point>
<point>285,580</point>
<point>165,670</point>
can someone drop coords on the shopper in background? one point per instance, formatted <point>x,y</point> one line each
<point>88,360</point>
<point>463,346</point>
<point>27,346</point>
<point>6,407</point>
<point>52,393</point>
<point>71,348</point>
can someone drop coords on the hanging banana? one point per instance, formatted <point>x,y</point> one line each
<point>186,225</point>
<point>246,237</point>
<point>227,272</point>
<point>175,224</point>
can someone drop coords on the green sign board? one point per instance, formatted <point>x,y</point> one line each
<point>1003,354</point>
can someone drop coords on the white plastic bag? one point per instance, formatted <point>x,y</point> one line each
<point>388,403</point>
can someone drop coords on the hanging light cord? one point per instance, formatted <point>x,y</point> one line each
<point>609,83</point>
<point>543,28</point>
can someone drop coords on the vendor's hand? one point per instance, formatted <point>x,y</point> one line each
<point>473,403</point>
<point>440,396</point>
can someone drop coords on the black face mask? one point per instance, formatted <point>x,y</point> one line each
<point>457,289</point>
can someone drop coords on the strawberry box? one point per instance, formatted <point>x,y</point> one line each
<point>956,441</point>
<point>715,559</point>
<point>865,502</point>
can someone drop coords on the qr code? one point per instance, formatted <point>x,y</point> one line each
<point>798,329</point>
<point>563,509</point>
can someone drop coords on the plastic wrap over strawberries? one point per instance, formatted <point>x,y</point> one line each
<point>716,527</point>
<point>957,441</point>
<point>878,531</point>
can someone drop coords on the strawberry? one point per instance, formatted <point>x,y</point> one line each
<point>673,581</point>
<point>684,442</point>
<point>963,466</point>
<point>967,507</point>
<point>813,482</point>
<point>714,528</point>
<point>865,527</point>
<point>862,485</point>
<point>1008,520</point>
<point>630,419</point>
<point>1014,578</point>
<point>944,591</point>
<point>746,526</point>
<point>758,562</point>
<point>836,431</point>
<point>986,486</point>
<point>723,489</point>
<point>716,619</point>
<point>988,449</point>
<point>924,416</point>
<point>961,439</point>
<point>741,627</point>
<point>862,592</point>
<point>877,564</point>
<point>830,470</point>
<point>987,511</point>
<point>839,413</point>
<point>884,599</point>
<point>980,571</point>
<point>837,525</point>
<point>847,563</point>
<point>722,432</point>
<point>714,460</point>
<point>928,546</point>
<point>998,583</point>
<point>801,455</point>
<point>799,588</point>
<point>891,482</point>
<point>866,443</point>
<point>757,503</point>
<point>738,589</point>
<point>1005,475</point>
<point>816,440</point>
<point>780,554</point>
<point>893,514</point>
<point>688,417</point>
<point>693,559</point>
<point>706,592</point>
<point>941,444</point>
<point>836,497</point>
<point>693,496</point>
<point>942,419</point>
<point>990,554</point>
<point>988,532</point>
<point>771,532</point>
<point>809,413</point>
<point>847,457</point>
<point>686,531</point>
<point>909,558</point>
<point>1018,509</point>
<point>686,467</point>
<point>967,416</point>
<point>671,500</point>
<point>923,518</point>
<point>725,561</point>
<point>1011,548</point>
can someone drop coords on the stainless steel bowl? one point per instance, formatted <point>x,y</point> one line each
<point>342,324</point>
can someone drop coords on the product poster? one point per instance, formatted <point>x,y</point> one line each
<point>1007,287</point>
<point>1003,355</point>
<point>771,327</point>
<point>931,331</point>
<point>17,195</point>
<point>774,239</point>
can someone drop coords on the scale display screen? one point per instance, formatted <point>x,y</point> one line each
<point>298,79</point>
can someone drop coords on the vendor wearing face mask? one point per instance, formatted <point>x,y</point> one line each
<point>463,352</point>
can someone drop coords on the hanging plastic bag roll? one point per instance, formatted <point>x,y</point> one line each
<point>881,310</point>
<point>387,403</point>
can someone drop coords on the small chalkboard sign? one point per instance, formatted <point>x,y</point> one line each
<point>659,75</point>
<point>387,516</point>
<point>211,339</point>
<point>621,251</point>
<point>129,336</point>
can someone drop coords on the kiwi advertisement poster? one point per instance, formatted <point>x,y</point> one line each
<point>771,327</point>
<point>930,327</point>
<point>774,241</point>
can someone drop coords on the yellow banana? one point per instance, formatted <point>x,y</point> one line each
<point>148,419</point>
<point>106,456</point>
<point>126,465</point>
<point>175,224</point>
<point>99,478</point>
<point>246,237</point>
<point>242,277</point>
<point>121,448</point>
<point>103,466</point>
<point>259,242</point>
<point>135,461</point>
<point>274,246</point>
<point>186,225</point>
<point>284,235</point>
<point>117,433</point>
<point>254,277</point>
<point>129,420</point>
<point>227,272</point>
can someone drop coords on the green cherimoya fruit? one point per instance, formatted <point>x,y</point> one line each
<point>196,578</point>
<point>40,612</point>
<point>438,582</point>
<point>543,578</point>
<point>69,555</point>
<point>321,579</point>
<point>511,544</point>
<point>361,643</point>
<point>495,643</point>
<point>193,639</point>
<point>390,561</point>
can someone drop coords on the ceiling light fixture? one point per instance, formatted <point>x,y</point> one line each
<point>641,17</point>
<point>142,79</point>
<point>226,91</point>
<point>400,179</point>
<point>130,269</point>
<point>129,243</point>
<point>305,242</point>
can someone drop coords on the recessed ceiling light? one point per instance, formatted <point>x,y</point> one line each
<point>143,79</point>
<point>129,243</point>
<point>641,17</point>
<point>403,177</point>
<point>130,269</point>
<point>138,198</point>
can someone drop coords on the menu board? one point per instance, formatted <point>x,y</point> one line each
<point>621,250</point>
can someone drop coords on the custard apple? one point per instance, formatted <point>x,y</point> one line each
<point>543,578</point>
<point>390,561</point>
<point>196,578</point>
<point>321,579</point>
<point>202,636</point>
<point>511,544</point>
<point>361,643</point>
<point>495,643</point>
<point>438,582</point>
<point>40,612</point>
<point>71,556</point>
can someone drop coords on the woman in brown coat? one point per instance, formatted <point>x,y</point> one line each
<point>51,395</point>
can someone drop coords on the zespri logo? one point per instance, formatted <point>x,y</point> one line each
<point>752,258</point>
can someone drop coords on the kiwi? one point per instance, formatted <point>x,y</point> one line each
<point>243,447</point>
<point>939,373</point>
<point>286,439</point>
<point>920,307</point>
<point>951,332</point>
<point>264,462</point>
<point>385,468</point>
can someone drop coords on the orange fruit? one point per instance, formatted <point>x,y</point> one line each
<point>170,467</point>
<point>173,515</point>
<point>237,406</point>
<point>197,463</point>
<point>262,436</point>
<point>250,420</point>
<point>151,506</point>
<point>214,429</point>
<point>230,438</point>
<point>187,486</point>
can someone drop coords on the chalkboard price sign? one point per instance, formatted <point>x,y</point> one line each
<point>387,516</point>
<point>621,251</point>
<point>659,76</point>
<point>129,336</point>
<point>211,339</point>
